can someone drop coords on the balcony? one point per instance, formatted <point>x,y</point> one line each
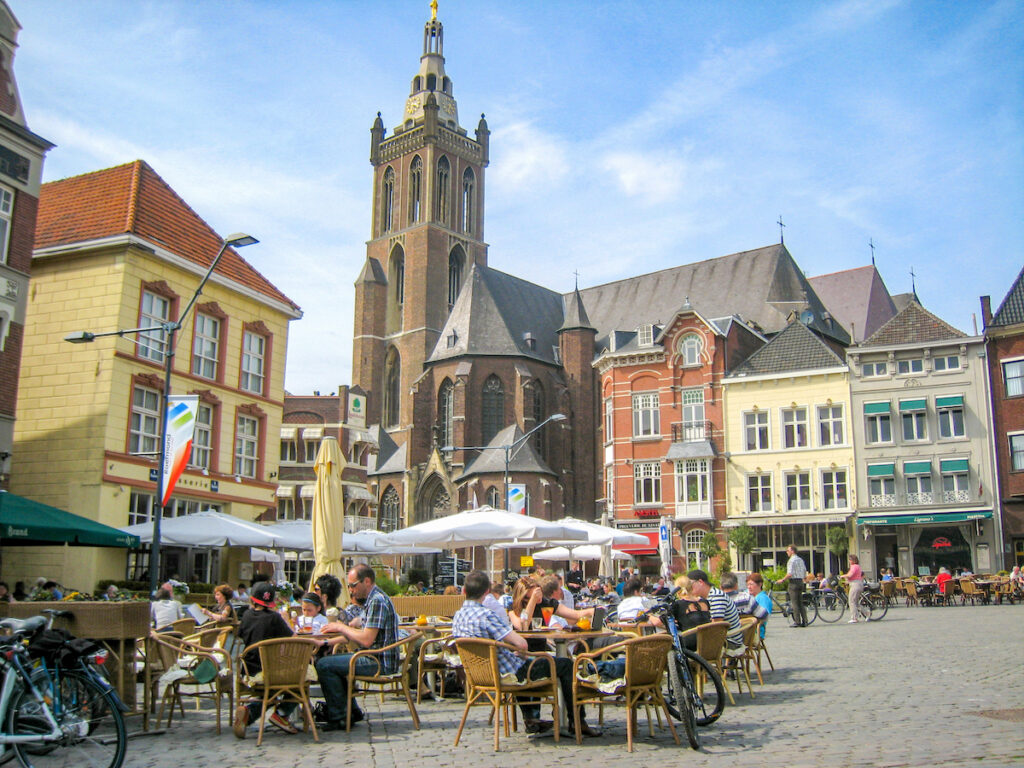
<point>956,497</point>
<point>354,524</point>
<point>691,431</point>
<point>883,500</point>
<point>693,510</point>
<point>914,499</point>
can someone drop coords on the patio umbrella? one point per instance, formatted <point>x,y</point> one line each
<point>376,543</point>
<point>205,529</point>
<point>24,521</point>
<point>292,534</point>
<point>607,537</point>
<point>583,552</point>
<point>328,515</point>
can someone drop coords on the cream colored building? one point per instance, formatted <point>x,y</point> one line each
<point>789,448</point>
<point>118,249</point>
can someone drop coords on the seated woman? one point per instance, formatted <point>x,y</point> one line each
<point>529,602</point>
<point>222,609</point>
<point>689,610</point>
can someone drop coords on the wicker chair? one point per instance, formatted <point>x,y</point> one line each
<point>378,679</point>
<point>910,587</point>
<point>711,639</point>
<point>435,657</point>
<point>483,681</point>
<point>645,658</point>
<point>972,592</point>
<point>285,663</point>
<point>180,660</point>
<point>751,637</point>
<point>186,626</point>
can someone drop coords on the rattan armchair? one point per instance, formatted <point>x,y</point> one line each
<point>181,661</point>
<point>285,674</point>
<point>436,656</point>
<point>380,680</point>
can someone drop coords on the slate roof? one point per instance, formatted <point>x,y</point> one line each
<point>795,348</point>
<point>762,286</point>
<point>493,314</point>
<point>857,299</point>
<point>390,458</point>
<point>901,300</point>
<point>133,199</point>
<point>575,313</point>
<point>523,459</point>
<point>913,325</point>
<point>1011,311</point>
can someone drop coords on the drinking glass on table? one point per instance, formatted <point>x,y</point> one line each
<point>547,613</point>
<point>537,622</point>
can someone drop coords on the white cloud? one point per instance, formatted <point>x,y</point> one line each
<point>526,159</point>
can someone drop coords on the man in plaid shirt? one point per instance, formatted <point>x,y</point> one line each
<point>379,629</point>
<point>474,620</point>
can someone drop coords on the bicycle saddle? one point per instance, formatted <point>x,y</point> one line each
<point>23,626</point>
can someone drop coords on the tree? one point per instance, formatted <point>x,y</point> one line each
<point>838,542</point>
<point>709,546</point>
<point>743,538</point>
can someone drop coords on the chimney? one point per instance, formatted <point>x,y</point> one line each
<point>986,311</point>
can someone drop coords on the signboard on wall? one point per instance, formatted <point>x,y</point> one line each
<point>355,414</point>
<point>517,499</point>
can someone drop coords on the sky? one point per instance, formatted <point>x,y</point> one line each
<point>626,137</point>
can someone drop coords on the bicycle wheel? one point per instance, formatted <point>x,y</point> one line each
<point>683,702</point>
<point>709,701</point>
<point>831,607</point>
<point>865,608</point>
<point>812,607</point>
<point>879,607</point>
<point>93,727</point>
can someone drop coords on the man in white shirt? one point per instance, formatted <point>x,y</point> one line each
<point>796,571</point>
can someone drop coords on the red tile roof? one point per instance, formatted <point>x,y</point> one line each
<point>134,199</point>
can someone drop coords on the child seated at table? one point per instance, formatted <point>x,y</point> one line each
<point>312,619</point>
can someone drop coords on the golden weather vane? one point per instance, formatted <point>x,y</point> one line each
<point>433,10</point>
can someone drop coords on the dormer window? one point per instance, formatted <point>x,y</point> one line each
<point>451,339</point>
<point>689,349</point>
<point>645,335</point>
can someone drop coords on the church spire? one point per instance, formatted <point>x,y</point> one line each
<point>431,80</point>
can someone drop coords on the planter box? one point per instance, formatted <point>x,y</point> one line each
<point>99,620</point>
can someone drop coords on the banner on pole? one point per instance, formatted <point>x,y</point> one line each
<point>517,499</point>
<point>181,423</point>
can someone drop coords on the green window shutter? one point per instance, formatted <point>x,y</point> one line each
<point>949,402</point>
<point>954,465</point>
<point>913,405</point>
<point>917,468</point>
<point>881,470</point>
<point>870,408</point>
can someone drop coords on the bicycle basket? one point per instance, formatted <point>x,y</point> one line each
<point>48,643</point>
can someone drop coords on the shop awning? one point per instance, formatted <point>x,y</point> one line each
<point>949,402</point>
<point>949,466</point>
<point>913,405</point>
<point>307,491</point>
<point>643,549</point>
<point>313,433</point>
<point>935,518</point>
<point>917,468</point>
<point>870,408</point>
<point>289,433</point>
<point>285,491</point>
<point>27,522</point>
<point>881,470</point>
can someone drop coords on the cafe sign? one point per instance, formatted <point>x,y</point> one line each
<point>647,512</point>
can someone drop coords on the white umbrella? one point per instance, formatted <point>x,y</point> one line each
<point>293,534</point>
<point>205,529</point>
<point>584,552</point>
<point>603,534</point>
<point>376,543</point>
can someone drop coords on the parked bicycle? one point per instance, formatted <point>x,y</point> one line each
<point>57,715</point>
<point>809,598</point>
<point>833,602</point>
<point>689,703</point>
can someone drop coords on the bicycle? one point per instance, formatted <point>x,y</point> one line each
<point>687,703</point>
<point>809,600</point>
<point>55,719</point>
<point>872,605</point>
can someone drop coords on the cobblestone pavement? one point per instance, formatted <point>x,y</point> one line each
<point>923,687</point>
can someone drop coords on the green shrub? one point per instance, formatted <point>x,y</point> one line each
<point>388,585</point>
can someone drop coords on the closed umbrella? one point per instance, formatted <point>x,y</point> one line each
<point>328,514</point>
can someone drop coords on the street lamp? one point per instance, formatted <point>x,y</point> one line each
<point>509,449</point>
<point>170,328</point>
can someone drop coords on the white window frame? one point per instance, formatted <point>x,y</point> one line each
<point>1016,367</point>
<point>881,490</point>
<point>144,430</point>
<point>285,508</point>
<point>874,421</point>
<point>1016,454</point>
<point>690,347</point>
<point>253,374</point>
<point>758,425</point>
<point>794,427</point>
<point>697,471</point>
<point>911,366</point>
<point>946,363</point>
<point>152,345</point>
<point>917,421</point>
<point>874,370</point>
<point>289,451</point>
<point>956,487</point>
<point>947,422</point>
<point>692,401</point>
<point>798,491</point>
<point>206,346</point>
<point>645,335</point>
<point>6,216</point>
<point>309,450</point>
<point>919,489</point>
<point>761,484</point>
<point>609,420</point>
<point>247,446</point>
<point>646,483</point>
<point>609,485</point>
<point>831,428</point>
<point>835,487</point>
<point>202,438</point>
<point>646,415</point>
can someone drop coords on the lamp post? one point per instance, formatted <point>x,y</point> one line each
<point>509,449</point>
<point>169,328</point>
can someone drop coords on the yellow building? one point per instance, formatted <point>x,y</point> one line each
<point>118,249</point>
<point>789,448</point>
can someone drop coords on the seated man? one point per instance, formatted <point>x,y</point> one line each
<point>379,628</point>
<point>474,620</point>
<point>492,600</point>
<point>722,608</point>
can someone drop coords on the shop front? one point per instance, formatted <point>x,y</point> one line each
<point>808,536</point>
<point>920,544</point>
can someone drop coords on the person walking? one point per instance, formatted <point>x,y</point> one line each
<point>855,579</point>
<point>796,572</point>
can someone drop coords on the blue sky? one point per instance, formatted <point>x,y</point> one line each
<point>626,137</point>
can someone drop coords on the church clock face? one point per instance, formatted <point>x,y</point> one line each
<point>446,104</point>
<point>412,104</point>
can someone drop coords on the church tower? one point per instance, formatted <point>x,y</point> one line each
<point>426,232</point>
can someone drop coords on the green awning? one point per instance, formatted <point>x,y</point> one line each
<point>914,405</point>
<point>881,470</point>
<point>934,518</point>
<point>948,402</point>
<point>954,465</point>
<point>27,522</point>
<point>870,408</point>
<point>917,468</point>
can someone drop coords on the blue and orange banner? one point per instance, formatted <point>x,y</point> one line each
<point>181,423</point>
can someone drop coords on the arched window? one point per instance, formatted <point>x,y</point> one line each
<point>393,311</point>
<point>431,82</point>
<point>456,265</point>
<point>446,414</point>
<point>392,387</point>
<point>390,510</point>
<point>694,538</point>
<point>416,84</point>
<point>539,414</point>
<point>468,208</point>
<point>690,348</point>
<point>444,181</point>
<point>387,200</point>
<point>493,410</point>
<point>493,498</point>
<point>397,276</point>
<point>415,189</point>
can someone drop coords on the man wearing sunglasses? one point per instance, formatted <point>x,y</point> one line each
<point>379,628</point>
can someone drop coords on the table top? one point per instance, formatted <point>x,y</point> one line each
<point>562,634</point>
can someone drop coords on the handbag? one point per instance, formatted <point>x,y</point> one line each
<point>204,672</point>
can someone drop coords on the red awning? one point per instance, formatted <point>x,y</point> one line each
<point>643,549</point>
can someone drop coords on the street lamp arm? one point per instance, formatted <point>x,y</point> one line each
<point>553,417</point>
<point>237,240</point>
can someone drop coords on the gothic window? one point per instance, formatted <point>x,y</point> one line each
<point>468,184</point>
<point>387,200</point>
<point>493,411</point>
<point>456,265</point>
<point>390,509</point>
<point>392,387</point>
<point>444,173</point>
<point>398,276</point>
<point>539,443</point>
<point>494,498</point>
<point>415,189</point>
<point>446,414</point>
<point>396,291</point>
